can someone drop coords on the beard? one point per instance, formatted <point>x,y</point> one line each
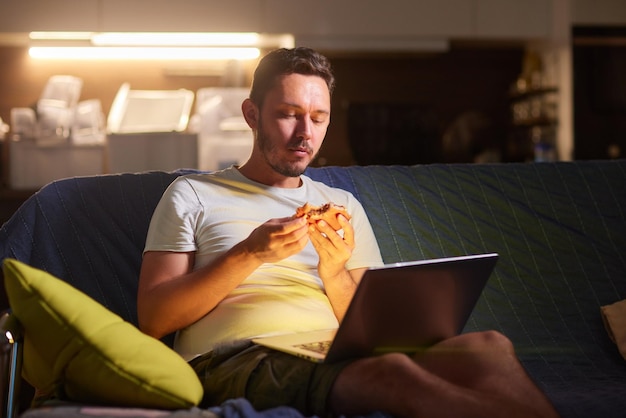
<point>282,167</point>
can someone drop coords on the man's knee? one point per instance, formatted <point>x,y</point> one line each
<point>478,342</point>
<point>381,368</point>
<point>391,361</point>
<point>494,340</point>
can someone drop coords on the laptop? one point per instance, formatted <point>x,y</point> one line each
<point>401,307</point>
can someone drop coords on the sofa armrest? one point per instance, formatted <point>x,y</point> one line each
<point>11,348</point>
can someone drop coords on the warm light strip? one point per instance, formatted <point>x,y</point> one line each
<point>174,39</point>
<point>153,38</point>
<point>147,53</point>
<point>61,36</point>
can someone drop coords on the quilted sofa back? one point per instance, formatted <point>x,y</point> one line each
<point>88,231</point>
<point>560,220</point>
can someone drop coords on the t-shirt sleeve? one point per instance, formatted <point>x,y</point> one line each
<point>173,223</point>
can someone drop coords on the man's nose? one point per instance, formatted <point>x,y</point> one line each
<point>304,128</point>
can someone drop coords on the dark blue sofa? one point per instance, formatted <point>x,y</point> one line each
<point>560,230</point>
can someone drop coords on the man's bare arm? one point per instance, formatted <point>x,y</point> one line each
<point>172,295</point>
<point>334,251</point>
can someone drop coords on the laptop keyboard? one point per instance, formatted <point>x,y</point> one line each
<point>317,347</point>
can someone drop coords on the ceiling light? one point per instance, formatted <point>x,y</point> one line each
<point>192,46</point>
<point>174,39</point>
<point>61,36</point>
<point>143,53</point>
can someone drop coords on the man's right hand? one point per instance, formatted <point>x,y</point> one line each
<point>277,239</point>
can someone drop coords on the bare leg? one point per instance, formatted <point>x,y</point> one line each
<point>471,375</point>
<point>459,359</point>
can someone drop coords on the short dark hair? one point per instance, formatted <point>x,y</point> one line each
<point>284,61</point>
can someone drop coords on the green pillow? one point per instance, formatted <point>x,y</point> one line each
<point>76,349</point>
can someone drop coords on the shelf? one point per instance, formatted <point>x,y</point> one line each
<point>518,96</point>
<point>533,122</point>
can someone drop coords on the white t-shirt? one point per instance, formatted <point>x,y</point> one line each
<point>210,213</point>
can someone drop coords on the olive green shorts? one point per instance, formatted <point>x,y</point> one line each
<point>265,377</point>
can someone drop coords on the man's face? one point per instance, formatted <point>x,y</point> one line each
<point>293,122</point>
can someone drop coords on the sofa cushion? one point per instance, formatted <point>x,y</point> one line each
<point>78,350</point>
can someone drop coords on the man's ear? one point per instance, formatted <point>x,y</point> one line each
<point>250,113</point>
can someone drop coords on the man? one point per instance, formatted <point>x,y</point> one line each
<point>227,261</point>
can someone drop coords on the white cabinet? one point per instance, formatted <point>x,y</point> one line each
<point>129,153</point>
<point>331,19</point>
<point>32,166</point>
<point>57,15</point>
<point>598,12</point>
<point>513,19</point>
<point>131,15</point>
<point>400,20</point>
<point>372,18</point>
<point>181,15</point>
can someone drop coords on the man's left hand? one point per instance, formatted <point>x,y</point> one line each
<point>333,248</point>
